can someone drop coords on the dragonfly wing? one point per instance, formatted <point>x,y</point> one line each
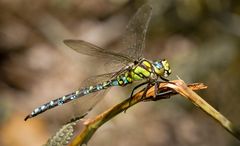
<point>134,37</point>
<point>85,104</point>
<point>87,48</point>
<point>132,43</point>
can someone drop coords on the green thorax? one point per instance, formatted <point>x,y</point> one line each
<point>142,70</point>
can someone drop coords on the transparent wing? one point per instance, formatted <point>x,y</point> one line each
<point>134,38</point>
<point>85,104</point>
<point>87,48</point>
<point>82,105</point>
<point>132,43</point>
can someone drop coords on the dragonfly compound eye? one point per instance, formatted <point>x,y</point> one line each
<point>158,65</point>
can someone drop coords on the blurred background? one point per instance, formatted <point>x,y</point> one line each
<point>200,39</point>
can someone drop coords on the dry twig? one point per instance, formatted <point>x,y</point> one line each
<point>167,90</point>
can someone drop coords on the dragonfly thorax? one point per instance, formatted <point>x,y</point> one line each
<point>146,69</point>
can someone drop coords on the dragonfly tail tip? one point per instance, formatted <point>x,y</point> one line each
<point>27,117</point>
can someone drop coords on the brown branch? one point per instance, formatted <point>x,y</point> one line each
<point>167,90</point>
<point>186,92</point>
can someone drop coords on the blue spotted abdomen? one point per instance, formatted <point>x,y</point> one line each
<point>67,98</point>
<point>122,80</point>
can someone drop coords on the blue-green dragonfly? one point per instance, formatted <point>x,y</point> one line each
<point>135,67</point>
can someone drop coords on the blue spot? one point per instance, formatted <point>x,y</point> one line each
<point>85,92</point>
<point>72,97</point>
<point>36,110</point>
<point>60,102</point>
<point>158,65</point>
<point>51,103</point>
<point>125,81</point>
<point>99,87</point>
<point>114,83</point>
<point>43,107</point>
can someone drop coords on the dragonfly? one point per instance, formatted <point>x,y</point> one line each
<point>134,66</point>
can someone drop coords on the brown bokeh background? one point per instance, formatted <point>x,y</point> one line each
<point>199,38</point>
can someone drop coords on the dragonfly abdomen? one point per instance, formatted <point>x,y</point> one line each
<point>122,80</point>
<point>67,98</point>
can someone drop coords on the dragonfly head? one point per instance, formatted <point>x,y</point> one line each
<point>162,67</point>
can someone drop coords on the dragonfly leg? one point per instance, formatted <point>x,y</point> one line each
<point>135,88</point>
<point>156,89</point>
<point>157,93</point>
<point>166,80</point>
<point>164,93</point>
<point>138,86</point>
<point>145,90</point>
